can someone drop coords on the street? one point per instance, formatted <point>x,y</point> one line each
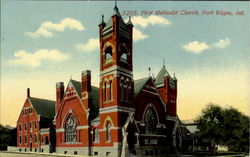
<point>14,154</point>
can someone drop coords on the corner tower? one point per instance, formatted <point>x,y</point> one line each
<point>116,79</point>
<point>116,68</point>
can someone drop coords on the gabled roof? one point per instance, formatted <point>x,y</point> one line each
<point>45,108</point>
<point>139,84</point>
<point>95,95</point>
<point>160,76</point>
<point>78,86</point>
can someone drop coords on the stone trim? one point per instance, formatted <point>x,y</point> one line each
<point>144,90</point>
<point>116,68</point>
<point>60,130</point>
<point>82,127</point>
<point>116,109</point>
<point>152,135</point>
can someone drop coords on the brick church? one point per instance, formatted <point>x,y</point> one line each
<point>121,117</point>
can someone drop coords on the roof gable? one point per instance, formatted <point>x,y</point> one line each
<point>139,84</point>
<point>43,107</point>
<point>147,83</point>
<point>160,76</point>
<point>77,86</point>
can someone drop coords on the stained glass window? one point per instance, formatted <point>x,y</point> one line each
<point>150,121</point>
<point>70,129</point>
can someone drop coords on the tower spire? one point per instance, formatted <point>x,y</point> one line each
<point>116,3</point>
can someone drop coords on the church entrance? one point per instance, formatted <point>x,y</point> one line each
<point>131,138</point>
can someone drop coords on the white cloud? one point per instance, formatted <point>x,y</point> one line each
<point>35,59</point>
<point>46,28</point>
<point>138,35</point>
<point>197,47</point>
<point>150,20</point>
<point>144,22</point>
<point>222,43</point>
<point>91,45</point>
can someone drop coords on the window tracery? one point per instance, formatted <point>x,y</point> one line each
<point>125,88</point>
<point>150,121</point>
<point>70,129</point>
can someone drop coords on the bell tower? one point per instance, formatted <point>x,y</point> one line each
<point>116,68</point>
<point>116,78</point>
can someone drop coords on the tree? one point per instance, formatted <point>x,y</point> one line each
<point>227,127</point>
<point>7,137</point>
<point>236,126</point>
<point>209,124</point>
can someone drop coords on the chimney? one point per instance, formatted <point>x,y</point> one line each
<point>28,92</point>
<point>59,94</point>
<point>86,88</point>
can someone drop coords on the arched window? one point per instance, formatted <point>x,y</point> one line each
<point>96,135</point>
<point>150,121</point>
<point>121,82</point>
<point>128,87</point>
<point>124,53</point>
<point>111,90</point>
<point>125,89</point>
<point>108,53</point>
<point>47,140</point>
<point>70,129</point>
<point>105,91</point>
<point>108,133</point>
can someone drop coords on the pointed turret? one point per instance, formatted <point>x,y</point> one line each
<point>102,21</point>
<point>160,76</point>
<point>129,21</point>
<point>174,78</point>
<point>116,12</point>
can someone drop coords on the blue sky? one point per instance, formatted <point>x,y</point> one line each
<point>208,53</point>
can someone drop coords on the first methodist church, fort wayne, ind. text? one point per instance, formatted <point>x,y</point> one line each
<point>123,117</point>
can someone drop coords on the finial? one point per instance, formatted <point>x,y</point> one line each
<point>174,78</point>
<point>164,61</point>
<point>149,70</point>
<point>102,18</point>
<point>115,3</point>
<point>70,76</point>
<point>129,21</point>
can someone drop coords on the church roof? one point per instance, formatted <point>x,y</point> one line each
<point>45,108</point>
<point>160,76</point>
<point>78,86</point>
<point>94,92</point>
<point>139,84</point>
<point>109,23</point>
